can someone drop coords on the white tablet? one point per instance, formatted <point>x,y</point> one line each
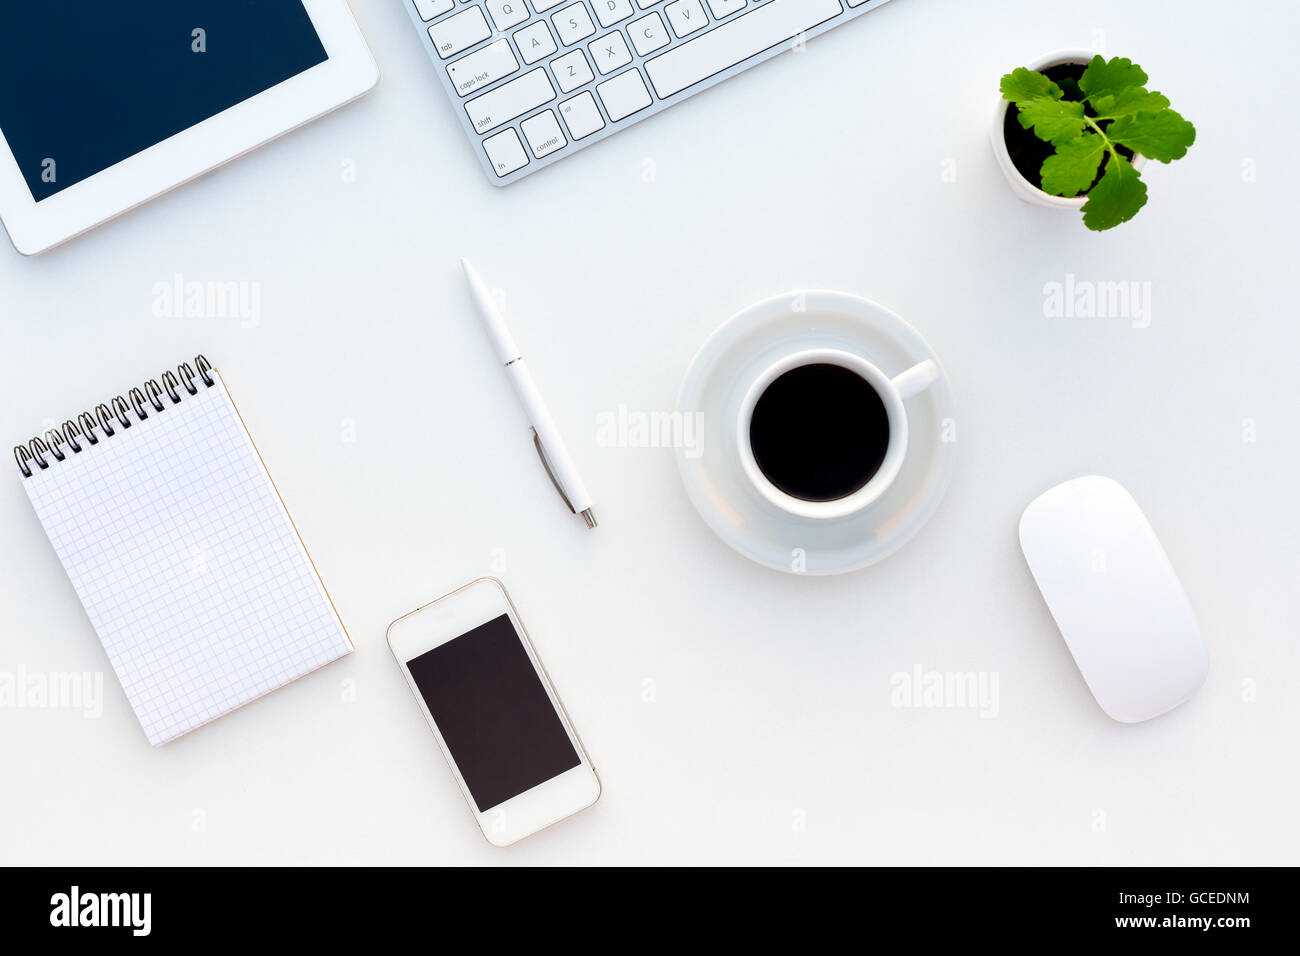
<point>104,106</point>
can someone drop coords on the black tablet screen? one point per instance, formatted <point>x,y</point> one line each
<point>86,85</point>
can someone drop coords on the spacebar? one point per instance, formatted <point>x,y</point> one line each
<point>735,41</point>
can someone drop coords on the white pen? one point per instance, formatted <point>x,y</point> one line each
<point>546,437</point>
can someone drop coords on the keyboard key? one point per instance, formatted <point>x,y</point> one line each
<point>648,34</point>
<point>543,134</point>
<point>509,100</point>
<point>541,6</point>
<point>505,152</point>
<point>535,42</point>
<point>508,13</point>
<point>624,94</point>
<point>686,16</point>
<point>428,9</point>
<point>609,53</point>
<point>573,24</point>
<point>581,115</point>
<point>735,41</point>
<point>722,8</point>
<point>482,67</point>
<point>610,12</point>
<point>645,4</point>
<point>459,32</point>
<point>571,71</point>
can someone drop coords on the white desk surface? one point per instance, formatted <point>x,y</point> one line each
<point>771,736</point>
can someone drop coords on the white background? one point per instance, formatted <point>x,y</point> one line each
<point>772,693</point>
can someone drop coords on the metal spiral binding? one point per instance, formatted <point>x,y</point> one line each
<point>77,434</point>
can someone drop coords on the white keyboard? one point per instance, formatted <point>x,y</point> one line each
<point>536,80</point>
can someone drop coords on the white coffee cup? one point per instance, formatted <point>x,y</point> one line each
<point>892,392</point>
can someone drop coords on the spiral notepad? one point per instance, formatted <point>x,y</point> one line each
<point>181,551</point>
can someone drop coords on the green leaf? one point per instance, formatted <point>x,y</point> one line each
<point>1116,198</point>
<point>1022,85</point>
<point>1052,120</point>
<point>1074,166</point>
<point>1129,103</point>
<point>1164,136</point>
<point>1112,76</point>
<point>1089,123</point>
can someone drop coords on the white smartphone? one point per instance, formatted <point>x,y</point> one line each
<point>493,711</point>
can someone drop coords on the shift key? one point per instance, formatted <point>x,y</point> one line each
<point>510,100</point>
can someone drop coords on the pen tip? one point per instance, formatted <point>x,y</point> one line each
<point>590,517</point>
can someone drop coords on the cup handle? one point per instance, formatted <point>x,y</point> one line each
<point>916,379</point>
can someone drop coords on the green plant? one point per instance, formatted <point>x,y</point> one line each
<point>1088,122</point>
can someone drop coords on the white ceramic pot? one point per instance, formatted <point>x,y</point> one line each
<point>1019,184</point>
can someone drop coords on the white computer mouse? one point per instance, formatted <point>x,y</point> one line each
<point>1114,595</point>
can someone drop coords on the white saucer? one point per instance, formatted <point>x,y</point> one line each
<point>733,357</point>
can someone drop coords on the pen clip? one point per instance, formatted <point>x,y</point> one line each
<point>541,453</point>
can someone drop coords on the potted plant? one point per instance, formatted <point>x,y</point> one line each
<point>1073,130</point>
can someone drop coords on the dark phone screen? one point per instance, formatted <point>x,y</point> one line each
<point>493,713</point>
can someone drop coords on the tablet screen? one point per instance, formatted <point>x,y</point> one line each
<point>86,85</point>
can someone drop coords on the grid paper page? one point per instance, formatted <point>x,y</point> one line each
<point>187,563</point>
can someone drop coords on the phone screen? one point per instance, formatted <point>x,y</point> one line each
<point>493,712</point>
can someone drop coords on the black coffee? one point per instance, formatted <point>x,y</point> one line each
<point>819,432</point>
